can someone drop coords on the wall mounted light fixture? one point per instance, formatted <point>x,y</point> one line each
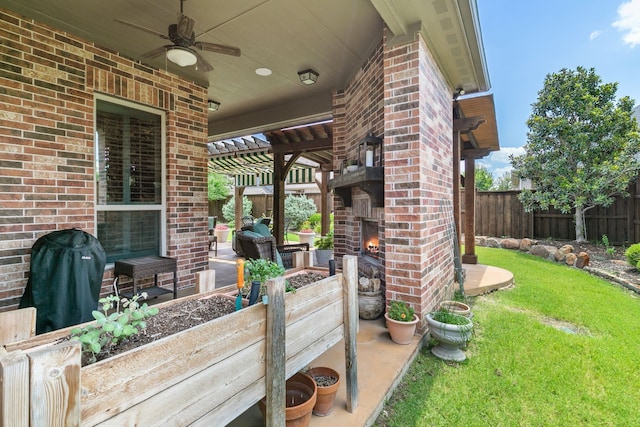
<point>308,77</point>
<point>213,105</point>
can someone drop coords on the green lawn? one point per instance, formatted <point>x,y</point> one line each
<point>562,348</point>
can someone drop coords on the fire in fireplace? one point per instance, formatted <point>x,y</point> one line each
<point>369,243</point>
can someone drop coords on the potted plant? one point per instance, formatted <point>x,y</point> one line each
<point>401,322</point>
<point>451,330</point>
<point>306,234</point>
<point>222,232</point>
<point>324,249</point>
<point>327,380</point>
<point>258,271</point>
<point>302,395</point>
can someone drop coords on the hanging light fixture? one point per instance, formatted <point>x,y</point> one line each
<point>213,105</point>
<point>181,56</point>
<point>308,77</point>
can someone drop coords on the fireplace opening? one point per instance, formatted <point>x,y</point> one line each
<point>370,244</point>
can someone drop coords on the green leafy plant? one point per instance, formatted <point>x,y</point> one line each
<point>298,209</point>
<point>443,315</point>
<point>633,254</point>
<point>111,328</point>
<point>306,227</point>
<point>400,311</point>
<point>325,242</point>
<point>229,209</point>
<point>260,270</point>
<point>608,248</point>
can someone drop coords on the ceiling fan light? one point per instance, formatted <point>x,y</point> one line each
<point>181,56</point>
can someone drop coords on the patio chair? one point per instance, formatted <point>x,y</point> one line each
<point>255,241</point>
<point>213,239</point>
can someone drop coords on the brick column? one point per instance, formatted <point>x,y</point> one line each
<point>419,224</point>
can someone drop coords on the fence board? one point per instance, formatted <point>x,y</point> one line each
<point>500,213</point>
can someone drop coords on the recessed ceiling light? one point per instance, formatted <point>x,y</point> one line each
<point>263,71</point>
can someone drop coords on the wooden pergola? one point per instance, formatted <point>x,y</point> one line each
<point>281,154</point>
<point>475,135</point>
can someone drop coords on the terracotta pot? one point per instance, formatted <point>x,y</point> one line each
<point>326,394</point>
<point>402,332</point>
<point>370,304</point>
<point>457,307</point>
<point>301,397</point>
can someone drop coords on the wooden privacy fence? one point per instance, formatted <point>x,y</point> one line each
<point>500,213</point>
<point>206,375</point>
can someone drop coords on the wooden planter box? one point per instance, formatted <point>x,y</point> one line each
<point>207,375</point>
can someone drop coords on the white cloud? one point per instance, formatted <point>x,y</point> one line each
<point>629,22</point>
<point>502,156</point>
<point>595,34</point>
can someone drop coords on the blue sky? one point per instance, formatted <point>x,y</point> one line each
<point>526,40</point>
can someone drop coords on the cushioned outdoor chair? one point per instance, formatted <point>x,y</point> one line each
<point>255,241</point>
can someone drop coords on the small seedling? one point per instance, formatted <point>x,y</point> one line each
<point>111,328</point>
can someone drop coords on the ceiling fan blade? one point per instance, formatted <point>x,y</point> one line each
<point>138,27</point>
<point>202,64</point>
<point>218,48</point>
<point>155,52</point>
<point>185,26</point>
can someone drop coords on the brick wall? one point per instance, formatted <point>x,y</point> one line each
<point>401,94</point>
<point>48,80</point>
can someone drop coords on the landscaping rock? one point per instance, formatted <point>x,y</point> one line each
<point>571,259</point>
<point>510,243</point>
<point>582,260</point>
<point>526,244</point>
<point>567,249</point>
<point>481,241</point>
<point>543,251</point>
<point>492,242</point>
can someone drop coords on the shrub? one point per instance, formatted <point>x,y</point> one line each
<point>633,254</point>
<point>314,220</point>
<point>298,209</point>
<point>229,209</point>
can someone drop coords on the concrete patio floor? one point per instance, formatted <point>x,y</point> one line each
<point>381,363</point>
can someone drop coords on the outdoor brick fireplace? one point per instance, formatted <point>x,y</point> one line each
<point>369,241</point>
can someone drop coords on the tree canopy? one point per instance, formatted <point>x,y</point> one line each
<point>483,178</point>
<point>582,145</point>
<point>219,186</point>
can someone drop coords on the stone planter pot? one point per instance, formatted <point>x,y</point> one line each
<point>326,394</point>
<point>401,332</point>
<point>302,394</point>
<point>307,238</point>
<point>222,235</point>
<point>323,256</point>
<point>450,338</point>
<point>371,305</point>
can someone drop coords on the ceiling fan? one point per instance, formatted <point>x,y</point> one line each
<point>182,51</point>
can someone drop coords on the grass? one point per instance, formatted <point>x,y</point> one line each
<point>559,349</point>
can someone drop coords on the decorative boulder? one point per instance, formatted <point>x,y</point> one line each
<point>510,244</point>
<point>543,251</point>
<point>582,260</point>
<point>481,241</point>
<point>526,244</point>
<point>492,242</point>
<point>571,259</point>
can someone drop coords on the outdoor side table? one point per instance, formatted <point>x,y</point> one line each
<point>138,268</point>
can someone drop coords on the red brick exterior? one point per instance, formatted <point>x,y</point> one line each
<point>401,94</point>
<point>48,80</point>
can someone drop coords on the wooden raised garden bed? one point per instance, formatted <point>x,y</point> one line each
<point>206,375</point>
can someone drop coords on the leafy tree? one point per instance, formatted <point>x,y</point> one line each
<point>219,186</point>
<point>484,178</point>
<point>581,146</point>
<point>229,209</point>
<point>298,209</point>
<point>503,183</point>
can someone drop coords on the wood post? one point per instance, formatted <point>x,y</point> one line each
<point>470,256</point>
<point>350,292</point>
<point>275,375</point>
<point>17,325</point>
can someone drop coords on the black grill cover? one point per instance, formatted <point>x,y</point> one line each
<point>65,279</point>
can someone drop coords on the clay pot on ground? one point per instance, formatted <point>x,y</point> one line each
<point>457,307</point>
<point>371,305</point>
<point>301,397</point>
<point>401,332</point>
<point>327,380</point>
